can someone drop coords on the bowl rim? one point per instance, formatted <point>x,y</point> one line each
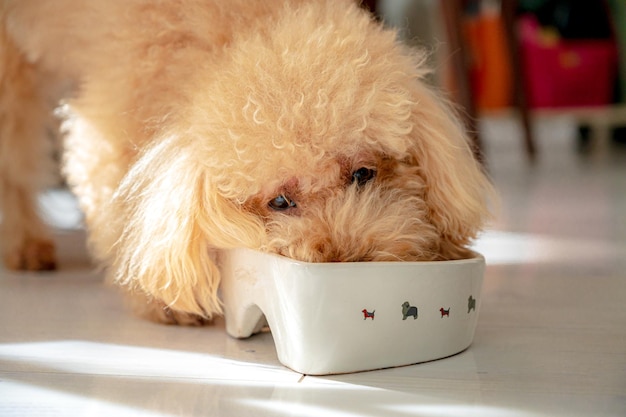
<point>476,258</point>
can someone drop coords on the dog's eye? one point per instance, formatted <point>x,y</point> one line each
<point>281,203</point>
<point>363,175</point>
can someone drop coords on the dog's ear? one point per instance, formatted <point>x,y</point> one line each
<point>458,192</point>
<point>172,221</point>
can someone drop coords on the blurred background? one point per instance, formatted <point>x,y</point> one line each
<point>525,60</point>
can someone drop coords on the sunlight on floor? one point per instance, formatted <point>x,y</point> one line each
<point>130,365</point>
<point>435,410</point>
<point>82,357</point>
<point>49,399</point>
<point>519,248</point>
<point>301,409</point>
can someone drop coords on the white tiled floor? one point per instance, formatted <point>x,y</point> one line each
<point>551,338</point>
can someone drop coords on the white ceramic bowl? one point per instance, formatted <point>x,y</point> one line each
<point>329,318</point>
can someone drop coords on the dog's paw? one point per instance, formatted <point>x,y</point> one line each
<point>185,319</point>
<point>158,312</point>
<point>32,255</point>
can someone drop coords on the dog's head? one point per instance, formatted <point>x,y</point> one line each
<point>317,140</point>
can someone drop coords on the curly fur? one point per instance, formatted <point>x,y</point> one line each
<point>184,118</point>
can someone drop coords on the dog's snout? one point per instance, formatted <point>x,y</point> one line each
<point>335,253</point>
<point>326,252</point>
<point>340,259</point>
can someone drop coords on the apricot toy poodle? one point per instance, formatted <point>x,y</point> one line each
<point>298,127</point>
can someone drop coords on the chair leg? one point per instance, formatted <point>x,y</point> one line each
<point>453,15</point>
<point>519,93</point>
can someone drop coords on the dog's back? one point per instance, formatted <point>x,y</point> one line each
<point>73,36</point>
<point>123,64</point>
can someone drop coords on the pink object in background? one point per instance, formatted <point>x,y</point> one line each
<point>566,73</point>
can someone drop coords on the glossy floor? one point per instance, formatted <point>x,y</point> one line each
<point>551,338</point>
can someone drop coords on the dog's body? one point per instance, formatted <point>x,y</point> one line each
<point>408,311</point>
<point>367,314</point>
<point>471,304</point>
<point>296,127</point>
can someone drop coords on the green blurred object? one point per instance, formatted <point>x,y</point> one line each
<point>618,13</point>
<point>531,5</point>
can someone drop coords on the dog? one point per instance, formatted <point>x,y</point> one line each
<point>297,127</point>
<point>471,304</point>
<point>367,314</point>
<point>444,312</point>
<point>408,310</point>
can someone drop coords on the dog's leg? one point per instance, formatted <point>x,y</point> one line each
<point>25,241</point>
